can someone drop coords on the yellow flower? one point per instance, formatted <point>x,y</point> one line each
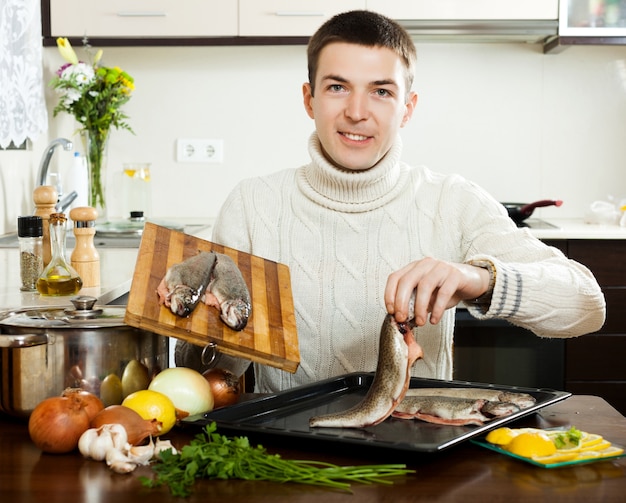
<point>66,51</point>
<point>97,57</point>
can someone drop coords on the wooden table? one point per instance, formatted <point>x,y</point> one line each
<point>464,473</point>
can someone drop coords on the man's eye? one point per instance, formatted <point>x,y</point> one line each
<point>382,92</point>
<point>336,87</point>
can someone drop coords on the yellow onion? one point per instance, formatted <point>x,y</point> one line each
<point>56,424</point>
<point>137,428</point>
<point>224,386</point>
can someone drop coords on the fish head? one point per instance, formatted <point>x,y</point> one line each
<point>183,299</point>
<point>235,313</point>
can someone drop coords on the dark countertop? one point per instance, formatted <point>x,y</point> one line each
<point>464,473</point>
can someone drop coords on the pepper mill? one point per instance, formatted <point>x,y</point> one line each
<point>45,198</point>
<point>85,258</point>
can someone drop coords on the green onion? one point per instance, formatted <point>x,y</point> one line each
<point>213,456</point>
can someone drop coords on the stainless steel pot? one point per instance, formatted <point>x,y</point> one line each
<point>45,350</point>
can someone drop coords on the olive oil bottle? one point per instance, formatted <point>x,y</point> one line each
<point>59,277</point>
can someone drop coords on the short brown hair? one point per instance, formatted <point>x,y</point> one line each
<point>366,28</point>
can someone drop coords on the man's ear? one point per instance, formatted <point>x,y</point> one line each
<point>410,105</point>
<point>307,95</point>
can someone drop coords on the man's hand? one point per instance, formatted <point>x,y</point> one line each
<point>439,286</point>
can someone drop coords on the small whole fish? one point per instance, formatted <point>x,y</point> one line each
<point>185,283</point>
<point>228,292</point>
<point>450,410</point>
<point>522,400</point>
<point>397,352</point>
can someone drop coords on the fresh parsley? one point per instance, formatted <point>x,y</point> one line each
<point>213,456</point>
<point>569,438</point>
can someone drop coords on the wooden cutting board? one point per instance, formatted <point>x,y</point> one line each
<point>270,336</point>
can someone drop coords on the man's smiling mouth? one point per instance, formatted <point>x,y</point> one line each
<point>355,137</point>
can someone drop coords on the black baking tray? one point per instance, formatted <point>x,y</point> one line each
<point>286,414</point>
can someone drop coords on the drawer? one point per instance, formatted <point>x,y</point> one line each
<point>595,357</point>
<point>605,258</point>
<point>615,317</point>
<point>143,18</point>
<point>286,18</point>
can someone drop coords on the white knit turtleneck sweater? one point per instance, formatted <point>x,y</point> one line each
<point>342,233</point>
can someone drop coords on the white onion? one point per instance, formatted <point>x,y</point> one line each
<point>186,388</point>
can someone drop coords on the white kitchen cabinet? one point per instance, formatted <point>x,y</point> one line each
<point>286,18</point>
<point>593,18</point>
<point>143,18</point>
<point>449,10</point>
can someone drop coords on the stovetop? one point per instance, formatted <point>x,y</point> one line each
<point>536,223</point>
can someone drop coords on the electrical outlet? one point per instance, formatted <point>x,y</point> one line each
<point>199,150</point>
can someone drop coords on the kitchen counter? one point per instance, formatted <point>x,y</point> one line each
<point>576,228</point>
<point>116,272</point>
<point>117,266</point>
<point>465,472</point>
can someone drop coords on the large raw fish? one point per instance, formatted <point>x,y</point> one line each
<point>452,410</point>
<point>228,292</point>
<point>185,283</point>
<point>522,400</point>
<point>397,352</point>
<point>213,278</point>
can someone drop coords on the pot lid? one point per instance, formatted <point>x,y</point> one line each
<point>83,314</point>
<point>131,227</point>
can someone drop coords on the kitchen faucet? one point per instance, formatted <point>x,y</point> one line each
<point>63,203</point>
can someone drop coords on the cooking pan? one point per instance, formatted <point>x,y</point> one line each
<point>521,211</point>
<point>47,349</point>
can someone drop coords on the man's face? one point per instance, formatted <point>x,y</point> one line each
<point>360,103</point>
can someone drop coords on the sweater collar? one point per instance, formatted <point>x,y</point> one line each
<point>352,191</point>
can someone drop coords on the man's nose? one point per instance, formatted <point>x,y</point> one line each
<point>357,106</point>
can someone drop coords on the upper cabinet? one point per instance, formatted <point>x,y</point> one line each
<point>449,10</point>
<point>599,18</point>
<point>554,24</point>
<point>286,18</point>
<point>143,18</point>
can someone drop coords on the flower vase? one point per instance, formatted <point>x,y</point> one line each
<point>95,144</point>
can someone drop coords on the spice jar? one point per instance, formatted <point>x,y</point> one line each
<point>30,237</point>
<point>59,277</point>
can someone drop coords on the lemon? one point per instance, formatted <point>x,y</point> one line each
<point>150,405</point>
<point>500,436</point>
<point>531,443</point>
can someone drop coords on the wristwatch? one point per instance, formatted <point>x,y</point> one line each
<point>485,299</point>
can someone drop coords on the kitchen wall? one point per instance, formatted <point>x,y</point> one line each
<point>522,124</point>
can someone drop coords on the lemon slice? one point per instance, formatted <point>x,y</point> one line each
<point>603,453</point>
<point>557,457</point>
<point>591,439</point>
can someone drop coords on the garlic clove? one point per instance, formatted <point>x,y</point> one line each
<point>141,455</point>
<point>163,445</point>
<point>119,462</point>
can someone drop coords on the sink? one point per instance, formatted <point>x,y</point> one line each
<point>11,241</point>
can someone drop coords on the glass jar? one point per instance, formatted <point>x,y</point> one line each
<point>59,277</point>
<point>30,237</point>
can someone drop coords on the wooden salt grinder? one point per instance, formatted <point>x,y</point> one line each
<point>85,258</point>
<point>45,198</point>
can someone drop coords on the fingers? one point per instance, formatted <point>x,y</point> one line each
<point>436,284</point>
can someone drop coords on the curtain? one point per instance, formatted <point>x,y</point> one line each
<point>22,105</point>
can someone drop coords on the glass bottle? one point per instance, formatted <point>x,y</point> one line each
<point>30,237</point>
<point>59,277</point>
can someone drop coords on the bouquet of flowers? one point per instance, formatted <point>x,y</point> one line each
<point>94,95</point>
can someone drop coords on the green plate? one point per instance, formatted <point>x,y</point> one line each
<point>483,443</point>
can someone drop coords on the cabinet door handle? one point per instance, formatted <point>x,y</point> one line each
<point>297,13</point>
<point>141,13</point>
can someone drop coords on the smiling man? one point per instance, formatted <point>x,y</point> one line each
<point>361,230</point>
